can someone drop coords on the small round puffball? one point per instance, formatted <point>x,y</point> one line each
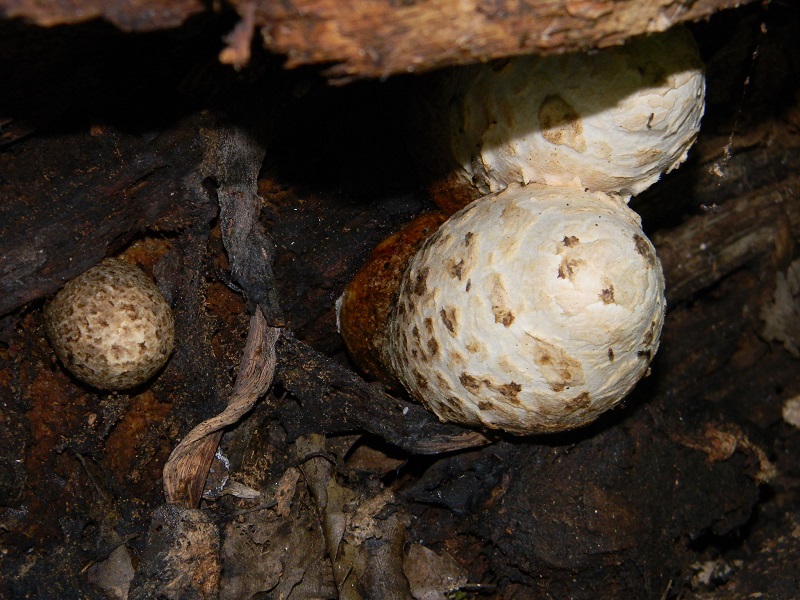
<point>534,310</point>
<point>110,326</point>
<point>612,121</point>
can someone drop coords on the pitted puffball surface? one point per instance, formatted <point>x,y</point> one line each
<point>110,326</point>
<point>533,310</point>
<point>613,121</point>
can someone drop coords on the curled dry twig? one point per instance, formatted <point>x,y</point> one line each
<point>185,471</point>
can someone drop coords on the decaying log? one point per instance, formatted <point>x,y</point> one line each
<point>75,213</point>
<point>368,38</point>
<point>376,39</point>
<point>708,247</point>
<point>140,15</point>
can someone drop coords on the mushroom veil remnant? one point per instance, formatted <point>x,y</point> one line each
<point>612,121</point>
<point>110,326</point>
<point>533,310</point>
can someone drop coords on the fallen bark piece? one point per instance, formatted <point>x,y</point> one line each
<point>234,160</point>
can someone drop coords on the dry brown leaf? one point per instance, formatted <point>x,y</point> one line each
<point>432,576</point>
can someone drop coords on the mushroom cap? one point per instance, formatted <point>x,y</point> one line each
<point>612,121</point>
<point>532,310</point>
<point>110,326</point>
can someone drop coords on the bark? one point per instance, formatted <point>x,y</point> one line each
<point>368,38</point>
<point>361,38</point>
<point>760,224</point>
<point>81,206</point>
<point>138,15</point>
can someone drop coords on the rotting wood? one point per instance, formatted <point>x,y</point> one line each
<point>365,38</point>
<point>709,246</point>
<point>368,38</point>
<point>73,216</point>
<point>333,399</point>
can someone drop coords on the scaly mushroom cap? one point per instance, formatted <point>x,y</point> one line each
<point>110,326</point>
<point>534,310</point>
<point>612,121</point>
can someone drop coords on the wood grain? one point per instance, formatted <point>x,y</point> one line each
<point>378,38</point>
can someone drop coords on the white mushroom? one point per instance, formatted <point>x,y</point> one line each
<point>110,326</point>
<point>539,306</point>
<point>533,310</point>
<point>612,121</point>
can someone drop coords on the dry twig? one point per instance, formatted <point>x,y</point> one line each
<point>185,471</point>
